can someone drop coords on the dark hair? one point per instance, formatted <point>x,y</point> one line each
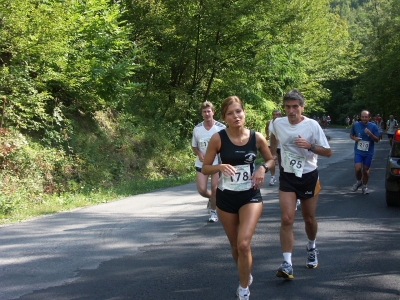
<point>294,95</point>
<point>228,101</point>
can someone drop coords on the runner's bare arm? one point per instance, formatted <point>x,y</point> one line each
<point>198,153</point>
<point>212,149</point>
<point>371,135</point>
<point>303,143</point>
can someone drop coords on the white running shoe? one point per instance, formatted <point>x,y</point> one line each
<point>272,181</point>
<point>248,284</point>
<point>297,203</point>
<point>312,260</point>
<point>285,270</point>
<point>365,190</point>
<point>213,216</point>
<point>245,297</point>
<point>250,280</point>
<point>356,186</point>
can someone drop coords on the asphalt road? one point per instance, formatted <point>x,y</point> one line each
<point>160,246</point>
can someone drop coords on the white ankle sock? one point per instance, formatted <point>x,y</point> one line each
<point>243,291</point>
<point>311,244</point>
<point>287,256</point>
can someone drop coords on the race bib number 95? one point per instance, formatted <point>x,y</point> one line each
<point>293,163</point>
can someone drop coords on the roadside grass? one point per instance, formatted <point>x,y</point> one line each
<point>50,204</point>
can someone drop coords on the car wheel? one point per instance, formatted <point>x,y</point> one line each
<point>392,198</point>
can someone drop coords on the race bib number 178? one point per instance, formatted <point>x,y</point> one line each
<point>238,182</point>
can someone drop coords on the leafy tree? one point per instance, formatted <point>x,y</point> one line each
<point>373,82</point>
<point>56,55</point>
<point>199,49</point>
<point>379,84</point>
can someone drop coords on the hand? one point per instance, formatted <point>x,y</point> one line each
<point>302,143</point>
<point>257,179</point>
<point>227,170</point>
<point>201,157</point>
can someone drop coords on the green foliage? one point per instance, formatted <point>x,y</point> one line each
<point>60,57</point>
<point>29,171</point>
<point>119,154</point>
<point>100,58</point>
<point>210,50</point>
<point>373,81</point>
<point>379,86</point>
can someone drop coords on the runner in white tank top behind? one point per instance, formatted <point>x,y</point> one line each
<point>202,133</point>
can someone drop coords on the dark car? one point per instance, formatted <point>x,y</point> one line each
<point>392,180</point>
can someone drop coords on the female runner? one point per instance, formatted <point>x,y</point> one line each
<point>239,201</point>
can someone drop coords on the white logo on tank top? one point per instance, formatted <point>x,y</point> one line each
<point>249,158</point>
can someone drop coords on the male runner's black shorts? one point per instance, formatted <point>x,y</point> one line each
<point>232,201</point>
<point>305,187</point>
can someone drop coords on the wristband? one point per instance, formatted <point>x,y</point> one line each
<point>266,167</point>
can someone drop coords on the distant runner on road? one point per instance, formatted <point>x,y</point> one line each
<point>347,121</point>
<point>202,133</point>
<point>391,126</point>
<point>365,134</point>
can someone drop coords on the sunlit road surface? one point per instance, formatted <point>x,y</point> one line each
<point>160,246</point>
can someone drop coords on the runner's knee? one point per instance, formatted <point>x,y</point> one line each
<point>243,246</point>
<point>287,220</point>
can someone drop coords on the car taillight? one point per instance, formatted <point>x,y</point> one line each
<point>396,171</point>
<point>397,135</point>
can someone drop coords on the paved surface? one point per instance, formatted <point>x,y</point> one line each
<point>159,245</point>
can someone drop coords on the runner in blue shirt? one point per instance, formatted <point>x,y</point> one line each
<point>365,134</point>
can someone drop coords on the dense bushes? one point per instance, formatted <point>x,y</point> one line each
<point>118,152</point>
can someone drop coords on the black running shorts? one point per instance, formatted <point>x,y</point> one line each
<point>305,187</point>
<point>231,202</point>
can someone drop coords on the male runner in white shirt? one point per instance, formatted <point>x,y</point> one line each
<point>302,140</point>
